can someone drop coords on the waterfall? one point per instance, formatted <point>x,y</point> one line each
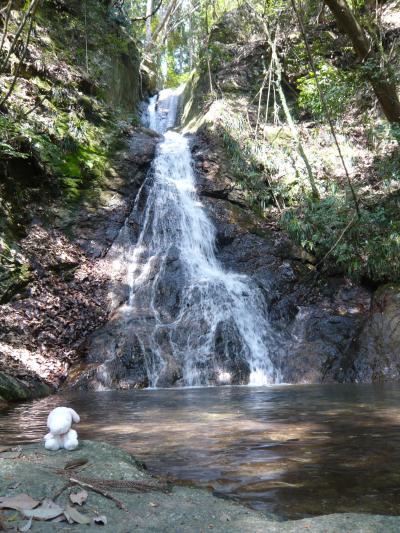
<point>191,321</point>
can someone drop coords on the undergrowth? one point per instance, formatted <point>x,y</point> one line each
<point>266,167</point>
<point>365,246</point>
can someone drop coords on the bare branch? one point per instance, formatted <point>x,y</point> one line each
<point>137,19</point>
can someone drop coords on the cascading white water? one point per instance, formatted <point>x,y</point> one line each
<point>163,109</point>
<point>194,322</point>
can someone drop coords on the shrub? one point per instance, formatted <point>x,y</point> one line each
<point>364,247</point>
<point>338,87</point>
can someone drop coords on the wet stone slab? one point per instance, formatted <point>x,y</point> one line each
<point>33,470</point>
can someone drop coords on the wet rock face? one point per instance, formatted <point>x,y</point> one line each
<point>95,228</point>
<point>230,354</point>
<point>326,328</point>
<point>378,356</point>
<point>318,322</point>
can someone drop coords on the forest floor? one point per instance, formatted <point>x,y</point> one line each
<point>43,478</point>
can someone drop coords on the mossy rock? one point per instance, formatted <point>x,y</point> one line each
<point>14,390</point>
<point>234,27</point>
<point>14,271</point>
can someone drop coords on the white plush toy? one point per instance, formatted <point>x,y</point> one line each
<point>61,435</point>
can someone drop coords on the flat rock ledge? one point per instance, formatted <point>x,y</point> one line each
<point>31,469</point>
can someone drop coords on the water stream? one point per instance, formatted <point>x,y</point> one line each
<point>293,451</point>
<point>190,320</point>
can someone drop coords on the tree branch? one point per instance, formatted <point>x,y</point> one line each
<point>136,19</point>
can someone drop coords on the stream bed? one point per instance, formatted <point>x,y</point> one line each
<point>291,451</point>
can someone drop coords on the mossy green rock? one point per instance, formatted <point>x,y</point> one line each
<point>13,276</point>
<point>13,389</point>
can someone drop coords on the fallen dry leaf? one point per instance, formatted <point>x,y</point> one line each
<point>100,520</point>
<point>42,514</point>
<point>47,511</point>
<point>152,504</point>
<point>72,514</point>
<point>4,448</point>
<point>60,518</point>
<point>49,504</point>
<point>18,502</point>
<point>78,497</point>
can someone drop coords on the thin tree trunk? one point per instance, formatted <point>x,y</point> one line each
<point>86,40</point>
<point>160,28</point>
<point>149,10</point>
<point>288,116</point>
<point>385,90</point>
<point>324,105</point>
<point>278,83</point>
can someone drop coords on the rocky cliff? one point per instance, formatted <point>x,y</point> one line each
<point>71,176</point>
<point>332,327</point>
<point>329,326</point>
<point>71,159</point>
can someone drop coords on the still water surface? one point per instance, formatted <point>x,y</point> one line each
<point>293,451</point>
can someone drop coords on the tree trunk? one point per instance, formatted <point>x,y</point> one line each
<point>385,90</point>
<point>160,28</point>
<point>149,10</point>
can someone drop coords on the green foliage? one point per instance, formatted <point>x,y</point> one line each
<point>75,151</point>
<point>8,146</point>
<point>14,269</point>
<point>367,247</point>
<point>264,162</point>
<point>338,87</point>
<point>388,167</point>
<point>219,55</point>
<point>262,151</point>
<point>174,79</point>
<point>69,136</point>
<point>245,156</point>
